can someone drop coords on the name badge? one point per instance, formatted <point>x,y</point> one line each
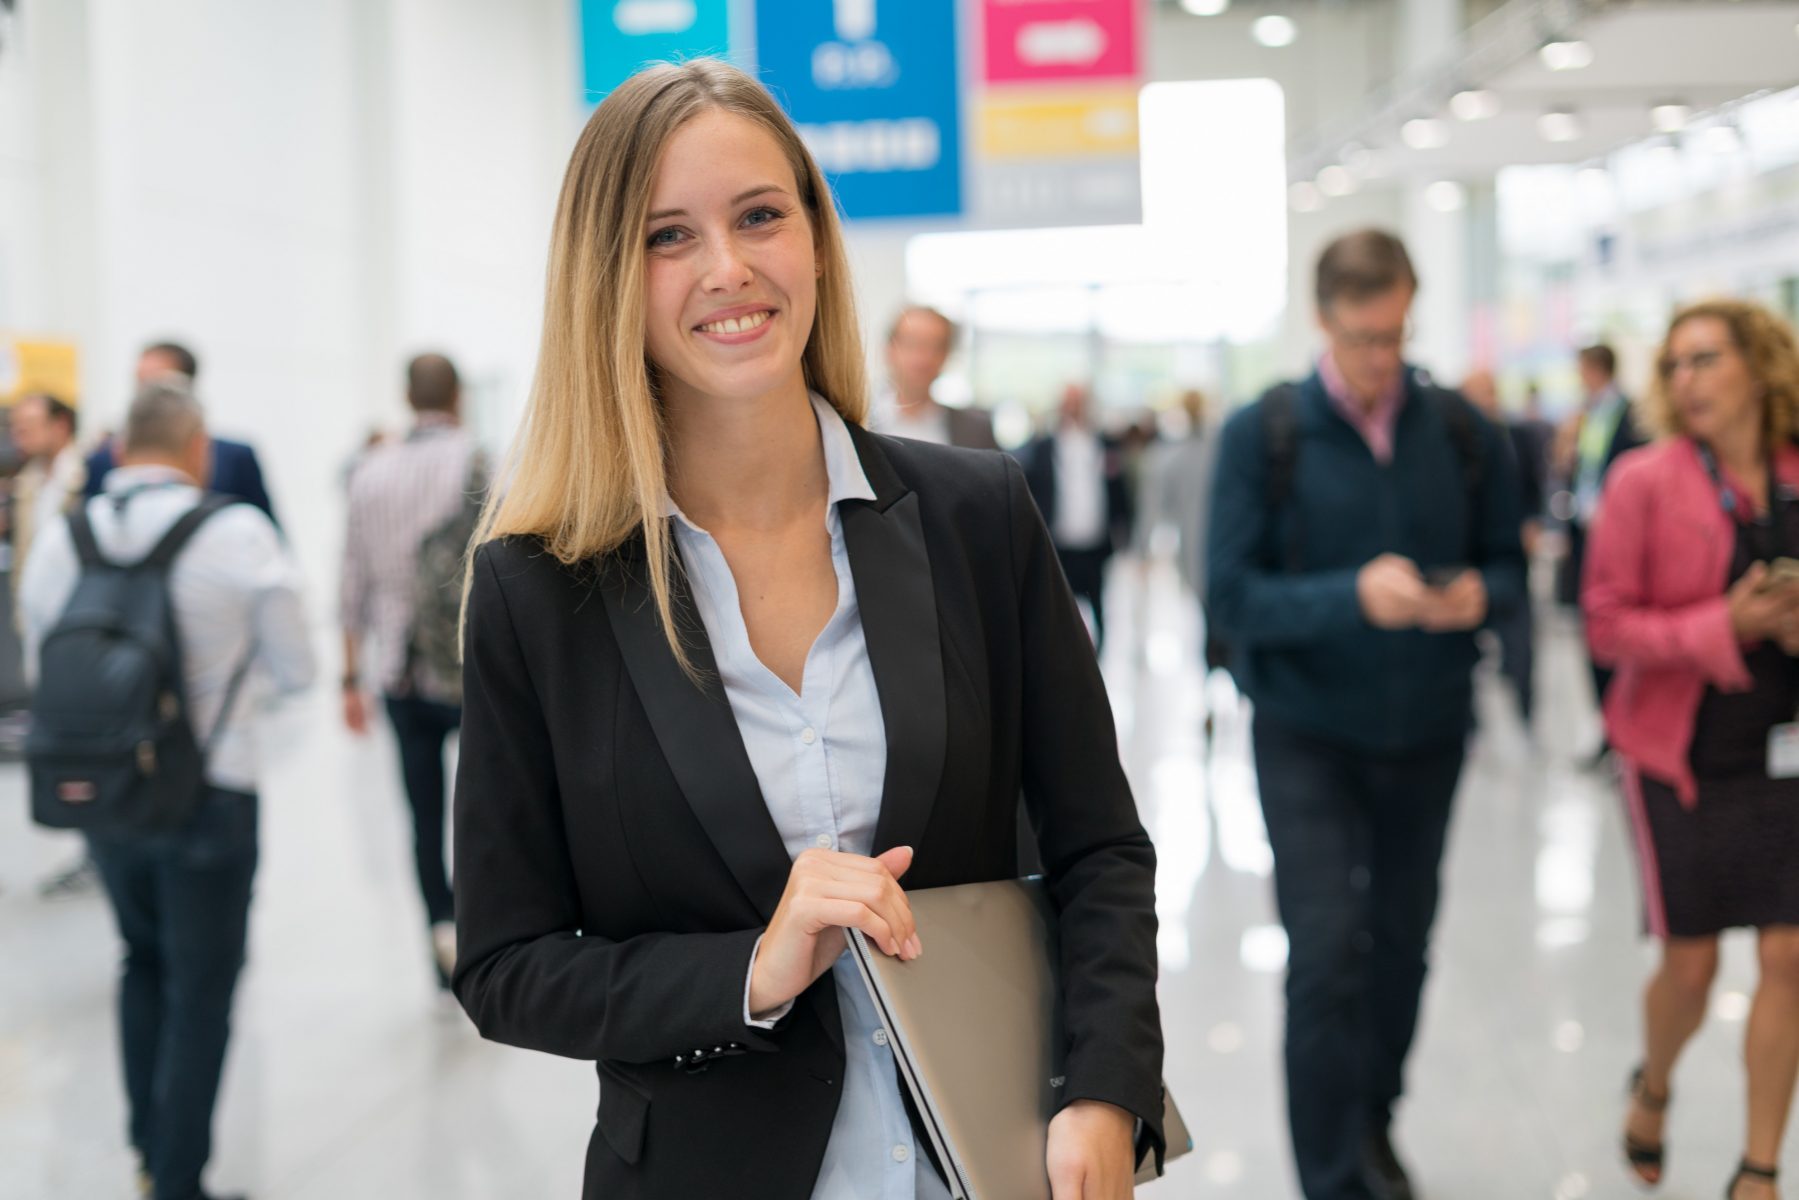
<point>1783,751</point>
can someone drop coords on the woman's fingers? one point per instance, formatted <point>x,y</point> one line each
<point>852,914</point>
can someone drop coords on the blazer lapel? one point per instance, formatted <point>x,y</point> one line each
<point>696,729</point>
<point>892,570</point>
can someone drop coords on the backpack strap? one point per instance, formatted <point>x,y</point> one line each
<point>1280,462</point>
<point>81,532</point>
<point>163,556</point>
<point>1463,424</point>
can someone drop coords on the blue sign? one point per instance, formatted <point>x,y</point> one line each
<point>872,84</point>
<point>618,37</point>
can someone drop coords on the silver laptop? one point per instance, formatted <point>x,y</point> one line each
<point>975,1025</point>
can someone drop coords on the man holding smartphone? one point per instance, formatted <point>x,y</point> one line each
<point>1364,524</point>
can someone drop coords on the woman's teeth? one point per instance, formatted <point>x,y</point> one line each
<point>737,324</point>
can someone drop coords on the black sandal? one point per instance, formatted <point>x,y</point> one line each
<point>1749,1170</point>
<point>1647,1156</point>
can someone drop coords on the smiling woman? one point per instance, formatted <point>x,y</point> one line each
<point>734,667</point>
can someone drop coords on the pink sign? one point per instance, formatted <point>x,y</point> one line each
<point>1054,41</point>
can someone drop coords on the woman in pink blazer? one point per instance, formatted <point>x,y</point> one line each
<point>1682,598</point>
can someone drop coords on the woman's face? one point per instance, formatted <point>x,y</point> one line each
<point>1708,379</point>
<point>731,265</point>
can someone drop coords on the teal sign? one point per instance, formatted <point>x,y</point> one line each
<point>618,37</point>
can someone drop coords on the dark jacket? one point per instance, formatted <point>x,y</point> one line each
<point>615,861</point>
<point>1301,648</point>
<point>235,472</point>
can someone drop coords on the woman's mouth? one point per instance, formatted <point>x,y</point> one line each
<point>738,325</point>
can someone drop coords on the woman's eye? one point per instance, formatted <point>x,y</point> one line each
<point>762,216</point>
<point>665,237</point>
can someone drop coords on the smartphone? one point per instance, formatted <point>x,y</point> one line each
<point>1439,578</point>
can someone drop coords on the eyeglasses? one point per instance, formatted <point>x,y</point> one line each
<point>1699,362</point>
<point>1372,339</point>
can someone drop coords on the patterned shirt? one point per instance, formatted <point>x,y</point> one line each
<point>398,494</point>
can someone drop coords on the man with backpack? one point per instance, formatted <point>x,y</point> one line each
<point>1364,524</point>
<point>152,617</point>
<point>412,510</point>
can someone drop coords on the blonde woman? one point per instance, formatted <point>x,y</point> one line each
<point>736,668</point>
<point>1680,599</point>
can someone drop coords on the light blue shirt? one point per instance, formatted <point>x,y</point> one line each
<point>821,760</point>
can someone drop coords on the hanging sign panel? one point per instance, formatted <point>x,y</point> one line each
<point>1059,41</point>
<point>618,37</point>
<point>872,85</point>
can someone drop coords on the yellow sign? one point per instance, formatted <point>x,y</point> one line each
<point>1065,123</point>
<point>38,366</point>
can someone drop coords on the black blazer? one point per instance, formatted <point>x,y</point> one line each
<point>615,862</point>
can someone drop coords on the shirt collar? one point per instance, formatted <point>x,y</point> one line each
<point>124,479</point>
<point>845,478</point>
<point>1336,388</point>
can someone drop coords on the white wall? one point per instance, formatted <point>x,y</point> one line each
<point>307,193</point>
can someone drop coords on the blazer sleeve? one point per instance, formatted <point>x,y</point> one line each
<point>1249,603</point>
<point>527,973</point>
<point>1624,626</point>
<point>1099,863</point>
<point>1500,551</point>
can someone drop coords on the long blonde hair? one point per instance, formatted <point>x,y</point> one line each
<point>589,466</point>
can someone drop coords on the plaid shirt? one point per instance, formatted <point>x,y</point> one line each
<point>398,494</point>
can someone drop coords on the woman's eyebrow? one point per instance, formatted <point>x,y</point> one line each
<point>759,190</point>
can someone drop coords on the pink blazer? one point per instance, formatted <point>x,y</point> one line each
<point>1657,562</point>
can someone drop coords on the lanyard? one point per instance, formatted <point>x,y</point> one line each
<point>1727,499</point>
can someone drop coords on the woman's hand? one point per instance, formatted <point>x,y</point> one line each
<point>828,892</point>
<point>1091,1152</point>
<point>1756,611</point>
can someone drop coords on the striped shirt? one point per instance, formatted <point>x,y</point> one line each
<point>398,495</point>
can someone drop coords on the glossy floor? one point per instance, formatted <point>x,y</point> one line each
<point>348,1079</point>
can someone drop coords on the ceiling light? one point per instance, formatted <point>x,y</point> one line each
<point>1446,196</point>
<point>1274,31</point>
<point>1567,56</point>
<point>1425,133</point>
<point>1722,138</point>
<point>1336,181</point>
<point>1305,197</point>
<point>1669,117</point>
<point>1666,149</point>
<point>1355,156</point>
<point>1559,126</point>
<point>1475,104</point>
<point>1205,8</point>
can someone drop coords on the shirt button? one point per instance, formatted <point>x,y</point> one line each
<point>824,841</point>
<point>880,1037</point>
<point>808,735</point>
<point>901,1154</point>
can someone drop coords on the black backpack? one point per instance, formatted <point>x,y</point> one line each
<point>111,749</point>
<point>1280,443</point>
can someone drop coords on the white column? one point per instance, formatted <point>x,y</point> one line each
<point>1438,240</point>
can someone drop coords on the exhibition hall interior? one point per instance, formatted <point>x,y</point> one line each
<point>1309,480</point>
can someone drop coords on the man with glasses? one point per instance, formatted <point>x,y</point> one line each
<point>1364,525</point>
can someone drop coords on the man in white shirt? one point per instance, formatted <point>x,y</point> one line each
<point>43,431</point>
<point>182,899</point>
<point>918,346</point>
<point>1077,478</point>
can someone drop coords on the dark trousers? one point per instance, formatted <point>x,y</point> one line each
<point>1517,654</point>
<point>421,727</point>
<point>1086,572</point>
<point>182,903</point>
<point>1357,845</point>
